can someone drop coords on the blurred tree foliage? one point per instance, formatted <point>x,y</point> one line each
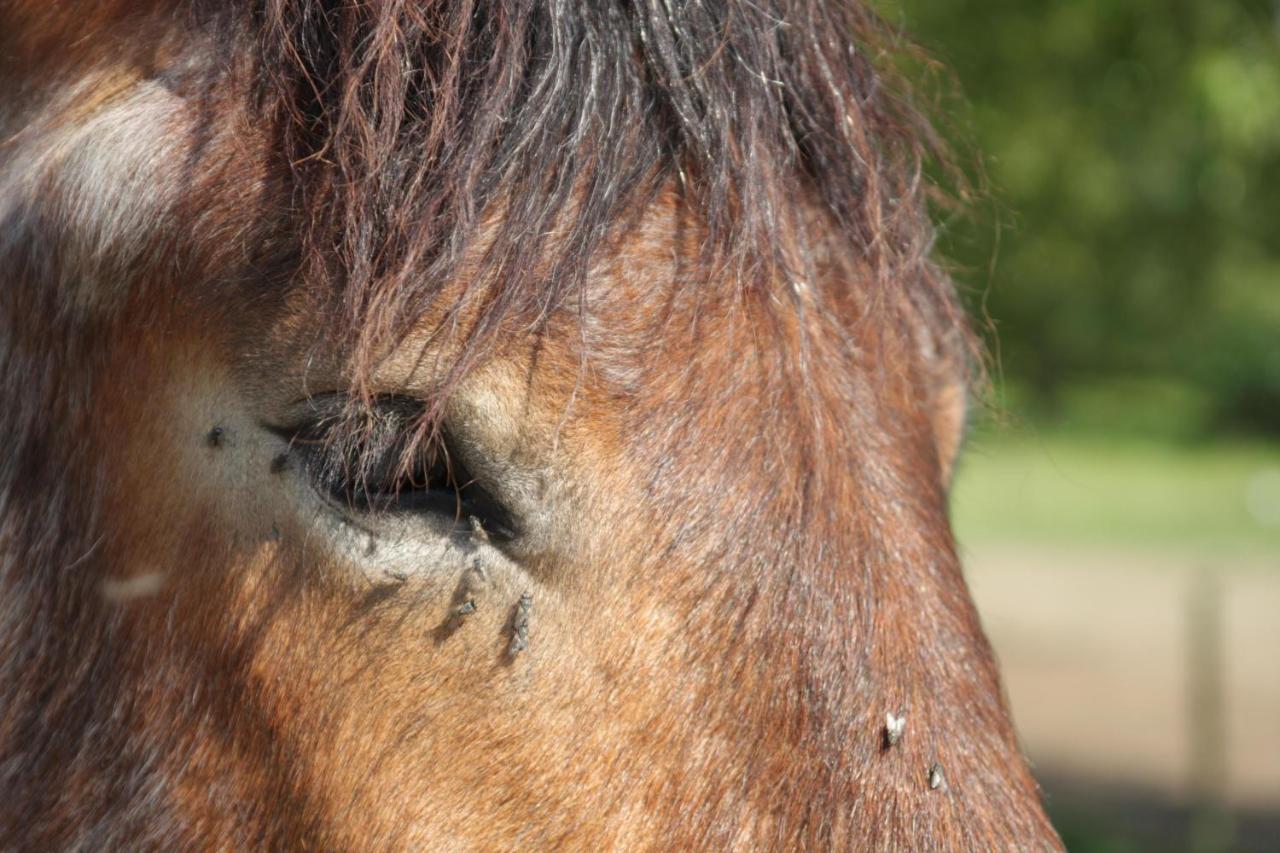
<point>1131,152</point>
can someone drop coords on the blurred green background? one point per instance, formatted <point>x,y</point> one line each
<point>1119,504</point>
<point>1129,253</point>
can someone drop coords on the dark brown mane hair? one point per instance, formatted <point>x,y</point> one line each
<point>524,135</point>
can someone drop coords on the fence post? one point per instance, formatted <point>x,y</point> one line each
<point>1210,829</point>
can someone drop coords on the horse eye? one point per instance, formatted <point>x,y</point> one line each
<point>376,467</point>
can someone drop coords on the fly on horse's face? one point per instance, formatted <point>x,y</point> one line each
<point>476,425</point>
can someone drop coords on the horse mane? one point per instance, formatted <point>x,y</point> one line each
<point>517,138</point>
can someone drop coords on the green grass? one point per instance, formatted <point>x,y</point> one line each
<point>1063,490</point>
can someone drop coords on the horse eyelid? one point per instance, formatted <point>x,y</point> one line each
<point>330,473</point>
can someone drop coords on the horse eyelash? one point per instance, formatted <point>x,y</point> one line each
<point>337,443</point>
<point>382,458</point>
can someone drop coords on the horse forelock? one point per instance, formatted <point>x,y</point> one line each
<point>515,141</point>
<point>501,149</point>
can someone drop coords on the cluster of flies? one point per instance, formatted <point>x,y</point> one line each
<point>472,583</point>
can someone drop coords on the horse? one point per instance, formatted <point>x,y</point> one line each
<point>481,424</point>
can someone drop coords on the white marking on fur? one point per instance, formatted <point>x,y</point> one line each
<point>120,590</point>
<point>108,164</point>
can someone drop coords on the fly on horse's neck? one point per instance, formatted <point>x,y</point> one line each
<point>481,424</point>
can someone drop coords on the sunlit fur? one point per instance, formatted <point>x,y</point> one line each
<point>664,266</point>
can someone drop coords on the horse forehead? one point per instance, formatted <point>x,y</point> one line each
<point>113,165</point>
<point>98,160</point>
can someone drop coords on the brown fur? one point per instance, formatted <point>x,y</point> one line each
<point>731,461</point>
